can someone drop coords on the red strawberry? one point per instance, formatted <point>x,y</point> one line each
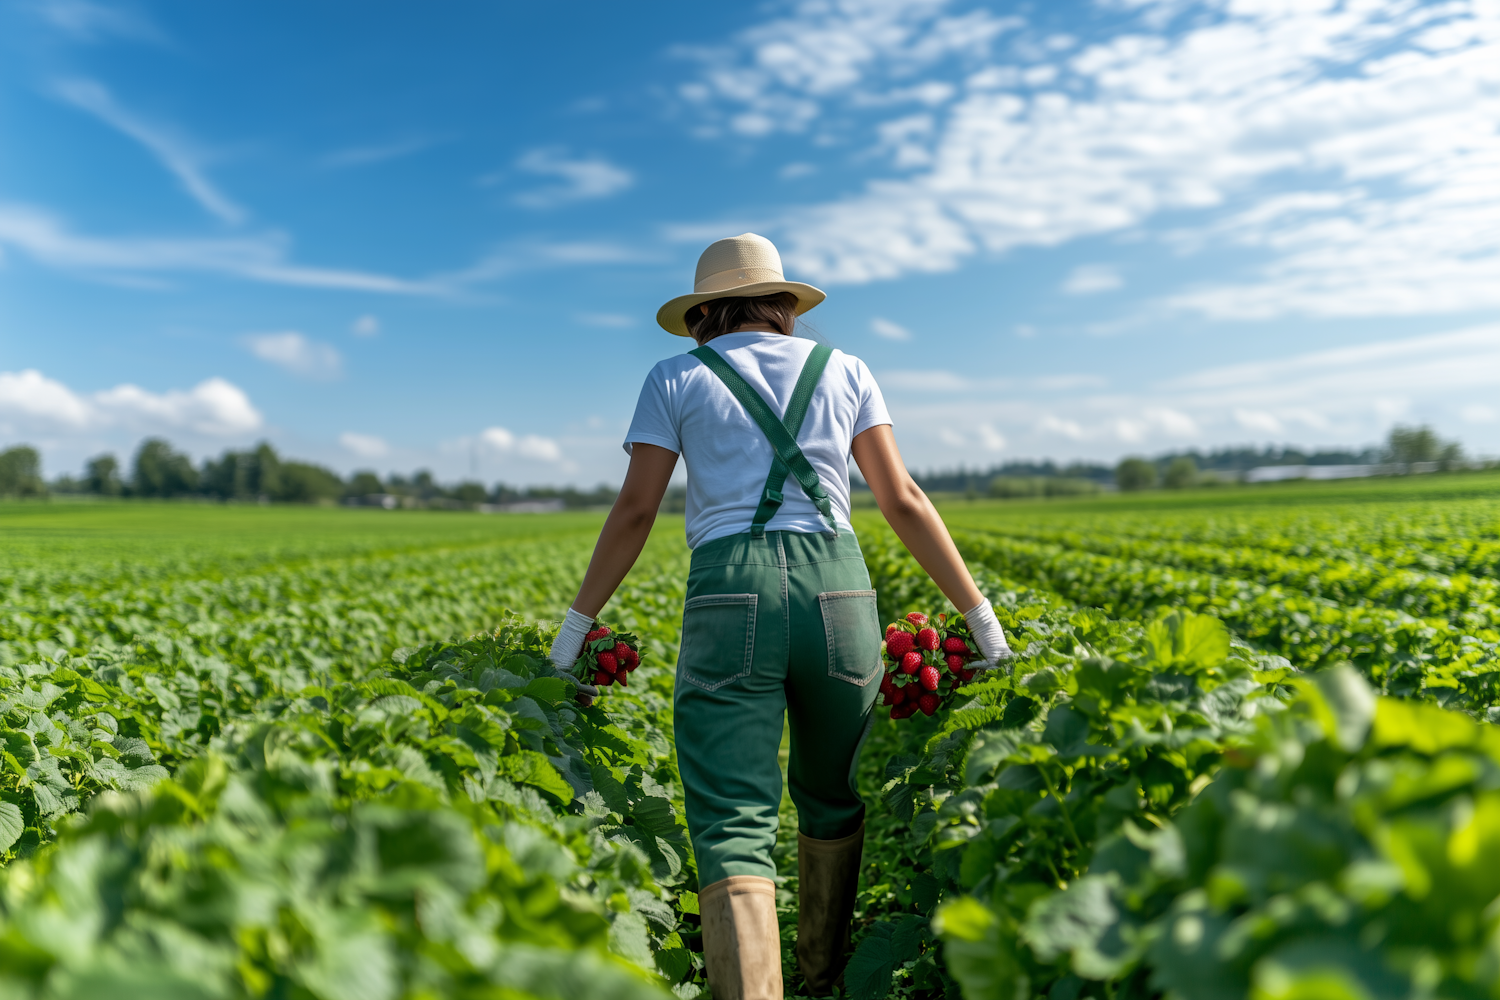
<point>911,663</point>
<point>928,703</point>
<point>888,697</point>
<point>916,618</point>
<point>608,663</point>
<point>967,675</point>
<point>953,644</point>
<point>929,678</point>
<point>892,627</point>
<point>887,684</point>
<point>898,695</point>
<point>900,644</point>
<point>622,652</point>
<point>955,663</point>
<point>596,635</point>
<point>602,679</point>
<point>928,638</point>
<point>621,677</point>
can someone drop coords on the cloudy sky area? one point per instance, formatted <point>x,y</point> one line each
<point>391,235</point>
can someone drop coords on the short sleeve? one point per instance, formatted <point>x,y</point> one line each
<point>654,422</point>
<point>872,411</point>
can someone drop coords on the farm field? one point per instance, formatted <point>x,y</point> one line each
<point>1243,750</point>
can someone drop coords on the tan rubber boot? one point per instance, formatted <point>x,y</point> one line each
<point>741,939</point>
<point>828,880</point>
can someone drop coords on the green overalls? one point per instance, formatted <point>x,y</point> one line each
<point>775,622</point>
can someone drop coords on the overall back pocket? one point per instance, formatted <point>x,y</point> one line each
<point>852,626</point>
<point>718,639</point>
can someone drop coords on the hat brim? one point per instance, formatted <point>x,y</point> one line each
<point>670,317</point>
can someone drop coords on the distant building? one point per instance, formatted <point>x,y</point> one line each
<point>523,507</point>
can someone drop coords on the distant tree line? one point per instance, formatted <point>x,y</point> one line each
<point>1406,449</point>
<point>261,475</point>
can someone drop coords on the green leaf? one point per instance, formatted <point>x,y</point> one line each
<point>12,825</point>
<point>868,974</point>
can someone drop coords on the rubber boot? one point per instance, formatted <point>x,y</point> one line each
<point>741,939</point>
<point>828,880</point>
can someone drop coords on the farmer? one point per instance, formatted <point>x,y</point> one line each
<point>780,620</point>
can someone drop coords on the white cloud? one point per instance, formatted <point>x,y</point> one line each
<point>582,178</point>
<point>363,445</point>
<point>1257,420</point>
<point>1351,147</point>
<point>777,75</point>
<point>175,153</point>
<point>890,331</point>
<point>1089,279</point>
<point>261,258</point>
<point>798,169</point>
<point>92,22</point>
<point>365,326</point>
<point>30,402</point>
<point>32,396</point>
<point>1349,396</point>
<point>533,446</point>
<point>213,407</point>
<point>991,439</point>
<point>612,321</point>
<point>1479,413</point>
<point>293,352</point>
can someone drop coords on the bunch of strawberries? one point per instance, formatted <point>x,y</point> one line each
<point>926,663</point>
<point>608,656</point>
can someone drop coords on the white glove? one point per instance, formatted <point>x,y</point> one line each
<point>988,636</point>
<point>566,647</point>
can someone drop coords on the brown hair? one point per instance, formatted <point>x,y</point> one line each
<point>778,311</point>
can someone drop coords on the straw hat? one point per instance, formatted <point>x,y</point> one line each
<point>745,265</point>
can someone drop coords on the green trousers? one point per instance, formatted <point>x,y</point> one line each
<point>779,626</point>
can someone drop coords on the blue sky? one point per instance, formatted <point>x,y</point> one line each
<point>394,235</point>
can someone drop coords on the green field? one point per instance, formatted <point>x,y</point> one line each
<point>1243,750</point>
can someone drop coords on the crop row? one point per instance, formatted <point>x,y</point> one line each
<point>1400,654</point>
<point>1146,806</point>
<point>444,822</point>
<point>1354,579</point>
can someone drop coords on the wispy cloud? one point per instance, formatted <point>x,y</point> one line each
<point>612,321</point>
<point>1090,279</point>
<point>363,445</point>
<point>888,330</point>
<point>365,326</point>
<point>1352,148</point>
<point>92,22</point>
<point>291,351</point>
<point>582,178</point>
<point>532,446</point>
<point>262,258</point>
<point>1344,396</point>
<point>30,402</point>
<point>177,155</point>
<point>364,156</point>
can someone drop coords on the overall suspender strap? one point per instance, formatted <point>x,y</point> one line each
<point>781,433</point>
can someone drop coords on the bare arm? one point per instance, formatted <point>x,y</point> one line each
<point>627,527</point>
<point>912,516</point>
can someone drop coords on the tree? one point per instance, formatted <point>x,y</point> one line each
<point>1182,473</point>
<point>363,483</point>
<point>21,472</point>
<point>1135,473</point>
<point>1407,445</point>
<point>161,472</point>
<point>470,492</point>
<point>102,476</point>
<point>301,482</point>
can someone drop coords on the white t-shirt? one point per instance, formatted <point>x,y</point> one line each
<point>688,409</point>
